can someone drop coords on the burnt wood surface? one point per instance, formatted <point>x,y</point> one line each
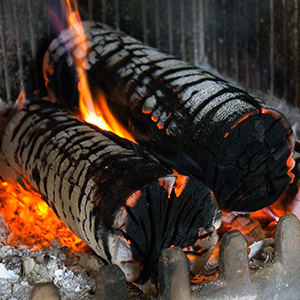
<point>187,117</point>
<point>255,43</point>
<point>114,195</point>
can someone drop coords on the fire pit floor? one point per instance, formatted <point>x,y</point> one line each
<point>276,281</point>
<point>85,277</point>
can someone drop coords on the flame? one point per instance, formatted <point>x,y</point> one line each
<point>94,108</point>
<point>269,211</point>
<point>290,163</point>
<point>32,222</point>
<point>20,101</point>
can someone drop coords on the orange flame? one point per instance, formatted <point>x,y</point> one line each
<point>20,101</point>
<point>269,211</point>
<point>291,164</point>
<point>31,221</point>
<point>94,109</point>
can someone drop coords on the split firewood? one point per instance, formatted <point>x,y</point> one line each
<point>185,116</point>
<point>113,194</point>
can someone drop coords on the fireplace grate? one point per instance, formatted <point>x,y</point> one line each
<point>279,280</point>
<point>24,38</point>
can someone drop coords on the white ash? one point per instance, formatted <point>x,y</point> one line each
<point>74,276</point>
<point>261,253</point>
<point>58,265</point>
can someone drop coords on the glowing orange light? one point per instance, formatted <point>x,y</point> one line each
<point>191,258</point>
<point>93,108</point>
<point>181,182</point>
<point>32,221</point>
<point>290,164</point>
<point>264,111</point>
<point>20,101</point>
<point>269,211</point>
<point>29,218</point>
<point>241,120</point>
<point>132,200</point>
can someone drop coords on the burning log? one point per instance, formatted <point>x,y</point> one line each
<point>187,117</point>
<point>114,195</point>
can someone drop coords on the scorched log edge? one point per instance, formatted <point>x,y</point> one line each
<point>114,195</point>
<point>184,115</point>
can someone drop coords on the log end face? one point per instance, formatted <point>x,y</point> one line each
<point>162,218</point>
<point>253,166</point>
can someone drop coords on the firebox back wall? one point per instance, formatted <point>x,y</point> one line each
<point>254,42</point>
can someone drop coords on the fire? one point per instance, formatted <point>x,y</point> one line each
<point>94,108</point>
<point>20,101</point>
<point>32,222</point>
<point>291,164</point>
<point>29,218</point>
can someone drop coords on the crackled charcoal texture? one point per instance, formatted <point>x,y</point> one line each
<point>184,115</point>
<point>114,195</point>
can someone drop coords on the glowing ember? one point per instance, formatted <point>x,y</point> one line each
<point>32,222</point>
<point>35,225</point>
<point>94,109</point>
<point>181,182</point>
<point>29,218</point>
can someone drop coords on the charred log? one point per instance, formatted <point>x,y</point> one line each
<point>114,195</point>
<point>184,115</point>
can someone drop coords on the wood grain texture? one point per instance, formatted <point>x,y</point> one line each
<point>184,115</point>
<point>113,194</point>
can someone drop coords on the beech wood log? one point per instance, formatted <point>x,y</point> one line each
<point>114,195</point>
<point>184,115</point>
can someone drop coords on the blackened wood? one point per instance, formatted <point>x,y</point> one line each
<point>186,116</point>
<point>31,19</point>
<point>114,195</point>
